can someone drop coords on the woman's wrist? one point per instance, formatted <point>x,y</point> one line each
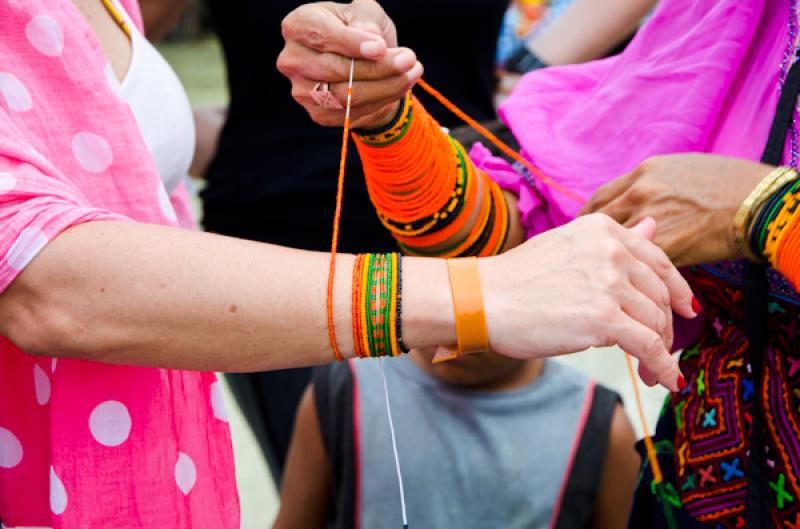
<point>428,318</point>
<point>384,119</point>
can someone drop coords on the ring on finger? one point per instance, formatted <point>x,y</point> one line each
<point>323,97</point>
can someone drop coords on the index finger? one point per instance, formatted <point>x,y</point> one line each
<point>323,27</point>
<point>637,239</point>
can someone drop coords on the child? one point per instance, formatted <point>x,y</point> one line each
<point>485,442</point>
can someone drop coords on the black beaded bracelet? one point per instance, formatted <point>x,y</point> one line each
<point>398,321</point>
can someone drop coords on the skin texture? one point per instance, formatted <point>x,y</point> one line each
<point>307,482</point>
<point>692,197</point>
<point>160,16</point>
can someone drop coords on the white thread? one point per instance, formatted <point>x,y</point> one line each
<point>380,360</point>
<point>350,90</point>
<point>394,446</point>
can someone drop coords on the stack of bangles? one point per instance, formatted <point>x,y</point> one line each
<point>768,223</point>
<point>427,191</point>
<point>377,305</point>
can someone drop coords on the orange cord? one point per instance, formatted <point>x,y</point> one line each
<point>508,151</point>
<point>648,441</point>
<point>337,216</point>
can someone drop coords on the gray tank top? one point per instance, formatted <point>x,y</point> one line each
<point>471,460</point>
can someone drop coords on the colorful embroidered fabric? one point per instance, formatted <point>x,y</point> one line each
<point>704,431</point>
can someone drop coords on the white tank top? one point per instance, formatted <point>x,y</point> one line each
<point>160,106</point>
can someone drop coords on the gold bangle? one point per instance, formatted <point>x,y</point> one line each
<point>776,179</point>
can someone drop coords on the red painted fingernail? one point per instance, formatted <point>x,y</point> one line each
<point>682,384</point>
<point>696,306</point>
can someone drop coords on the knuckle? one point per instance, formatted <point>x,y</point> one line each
<point>653,346</point>
<point>284,64</point>
<point>605,311</point>
<point>613,250</point>
<point>661,322</point>
<point>330,66</point>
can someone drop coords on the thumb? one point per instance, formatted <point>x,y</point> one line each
<point>645,228</point>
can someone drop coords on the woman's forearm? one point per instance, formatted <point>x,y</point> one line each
<point>155,296</point>
<point>589,29</point>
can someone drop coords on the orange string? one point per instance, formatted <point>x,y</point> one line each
<point>508,151</point>
<point>648,441</point>
<point>337,216</point>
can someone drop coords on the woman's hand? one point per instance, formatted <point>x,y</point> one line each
<point>692,197</point>
<point>589,283</point>
<point>322,37</point>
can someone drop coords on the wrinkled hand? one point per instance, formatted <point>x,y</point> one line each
<point>322,37</point>
<point>692,197</point>
<point>589,283</point>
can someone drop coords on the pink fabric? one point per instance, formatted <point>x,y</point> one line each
<point>699,77</point>
<point>85,444</point>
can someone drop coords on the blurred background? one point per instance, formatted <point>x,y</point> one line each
<point>196,56</point>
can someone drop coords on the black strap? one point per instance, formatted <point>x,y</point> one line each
<point>333,396</point>
<point>756,298</point>
<point>580,495</point>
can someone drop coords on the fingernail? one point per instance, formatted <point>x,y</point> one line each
<point>696,306</point>
<point>371,48</point>
<point>681,383</point>
<point>404,60</point>
<point>415,73</point>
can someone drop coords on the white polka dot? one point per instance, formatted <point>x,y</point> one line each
<point>165,203</point>
<point>41,383</point>
<point>93,152</point>
<point>53,364</point>
<point>14,92</point>
<point>10,449</point>
<point>7,182</point>
<point>217,402</point>
<point>185,473</point>
<point>111,79</point>
<point>58,494</point>
<point>45,35</point>
<point>29,243</point>
<point>110,423</point>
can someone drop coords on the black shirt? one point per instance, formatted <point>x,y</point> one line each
<point>274,176</point>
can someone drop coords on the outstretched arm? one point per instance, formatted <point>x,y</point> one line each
<point>125,293</point>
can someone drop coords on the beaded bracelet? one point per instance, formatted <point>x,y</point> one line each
<point>765,189</point>
<point>403,176</point>
<point>760,226</point>
<point>377,312</point>
<point>782,223</point>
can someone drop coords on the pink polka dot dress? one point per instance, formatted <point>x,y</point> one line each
<point>83,444</point>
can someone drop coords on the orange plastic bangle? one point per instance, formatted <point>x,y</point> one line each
<point>465,286</point>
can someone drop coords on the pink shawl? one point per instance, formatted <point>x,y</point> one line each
<point>700,76</point>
